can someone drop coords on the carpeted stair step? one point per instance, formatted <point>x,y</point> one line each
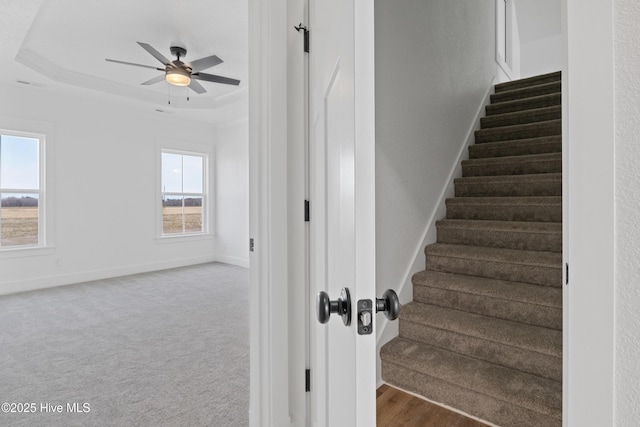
<point>541,101</point>
<point>513,165</point>
<point>526,92</point>
<point>519,302</point>
<point>517,147</point>
<point>547,184</point>
<point>531,236</point>
<point>542,209</point>
<point>535,267</point>
<point>480,405</point>
<point>521,117</point>
<point>498,394</point>
<point>521,131</point>
<point>483,333</point>
<point>529,81</point>
<point>519,346</point>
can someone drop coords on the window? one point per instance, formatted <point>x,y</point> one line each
<point>184,178</point>
<point>21,190</point>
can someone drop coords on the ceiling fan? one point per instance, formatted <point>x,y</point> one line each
<point>179,73</point>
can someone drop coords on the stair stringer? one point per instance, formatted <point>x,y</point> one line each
<point>386,330</point>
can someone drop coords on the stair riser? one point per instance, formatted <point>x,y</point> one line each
<point>509,133</point>
<point>532,241</point>
<point>535,274</point>
<point>472,168</point>
<point>506,213</point>
<point>527,92</point>
<point>546,317</point>
<point>497,189</point>
<point>516,148</point>
<point>485,407</point>
<point>510,119</point>
<point>516,358</point>
<point>532,81</point>
<point>524,104</point>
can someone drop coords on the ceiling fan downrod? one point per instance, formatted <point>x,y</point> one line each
<point>178,51</point>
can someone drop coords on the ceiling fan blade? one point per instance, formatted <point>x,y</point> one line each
<point>204,63</point>
<point>154,80</point>
<point>215,79</point>
<point>196,87</point>
<point>160,57</point>
<point>135,65</point>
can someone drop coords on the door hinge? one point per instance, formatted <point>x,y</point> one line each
<point>306,211</point>
<point>251,245</point>
<point>307,380</point>
<point>299,28</point>
<point>566,276</point>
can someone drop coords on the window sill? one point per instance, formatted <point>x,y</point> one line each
<point>26,252</point>
<point>184,238</point>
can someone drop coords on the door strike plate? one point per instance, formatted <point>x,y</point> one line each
<point>365,317</point>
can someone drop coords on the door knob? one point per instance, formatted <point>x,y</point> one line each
<point>389,304</point>
<point>342,306</point>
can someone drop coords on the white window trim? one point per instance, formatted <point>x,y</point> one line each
<point>44,132</point>
<point>506,64</point>
<point>187,148</point>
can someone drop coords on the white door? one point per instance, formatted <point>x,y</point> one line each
<point>342,195</point>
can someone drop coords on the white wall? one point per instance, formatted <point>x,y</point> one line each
<point>104,191</point>
<point>232,194</point>
<point>627,271</point>
<point>539,22</point>
<point>435,61</point>
<point>541,56</point>
<point>538,18</point>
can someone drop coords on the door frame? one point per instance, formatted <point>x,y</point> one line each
<point>268,219</point>
<point>588,211</point>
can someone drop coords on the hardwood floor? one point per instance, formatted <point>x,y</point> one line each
<point>397,409</point>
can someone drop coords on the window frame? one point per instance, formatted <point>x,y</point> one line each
<point>189,149</point>
<point>505,26</point>
<point>44,207</point>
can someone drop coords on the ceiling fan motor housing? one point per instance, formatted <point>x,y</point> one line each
<point>178,74</point>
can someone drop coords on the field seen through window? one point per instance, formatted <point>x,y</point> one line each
<point>172,219</point>
<point>19,226</point>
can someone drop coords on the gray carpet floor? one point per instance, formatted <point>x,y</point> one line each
<point>167,348</point>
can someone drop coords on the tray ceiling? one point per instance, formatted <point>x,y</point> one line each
<point>65,42</point>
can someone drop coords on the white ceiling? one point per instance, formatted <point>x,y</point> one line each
<point>57,43</point>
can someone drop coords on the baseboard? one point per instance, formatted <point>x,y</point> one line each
<point>90,275</point>
<point>386,330</point>
<point>240,262</point>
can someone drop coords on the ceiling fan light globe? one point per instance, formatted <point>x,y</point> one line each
<point>178,77</point>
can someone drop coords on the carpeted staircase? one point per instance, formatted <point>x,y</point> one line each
<point>484,332</point>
